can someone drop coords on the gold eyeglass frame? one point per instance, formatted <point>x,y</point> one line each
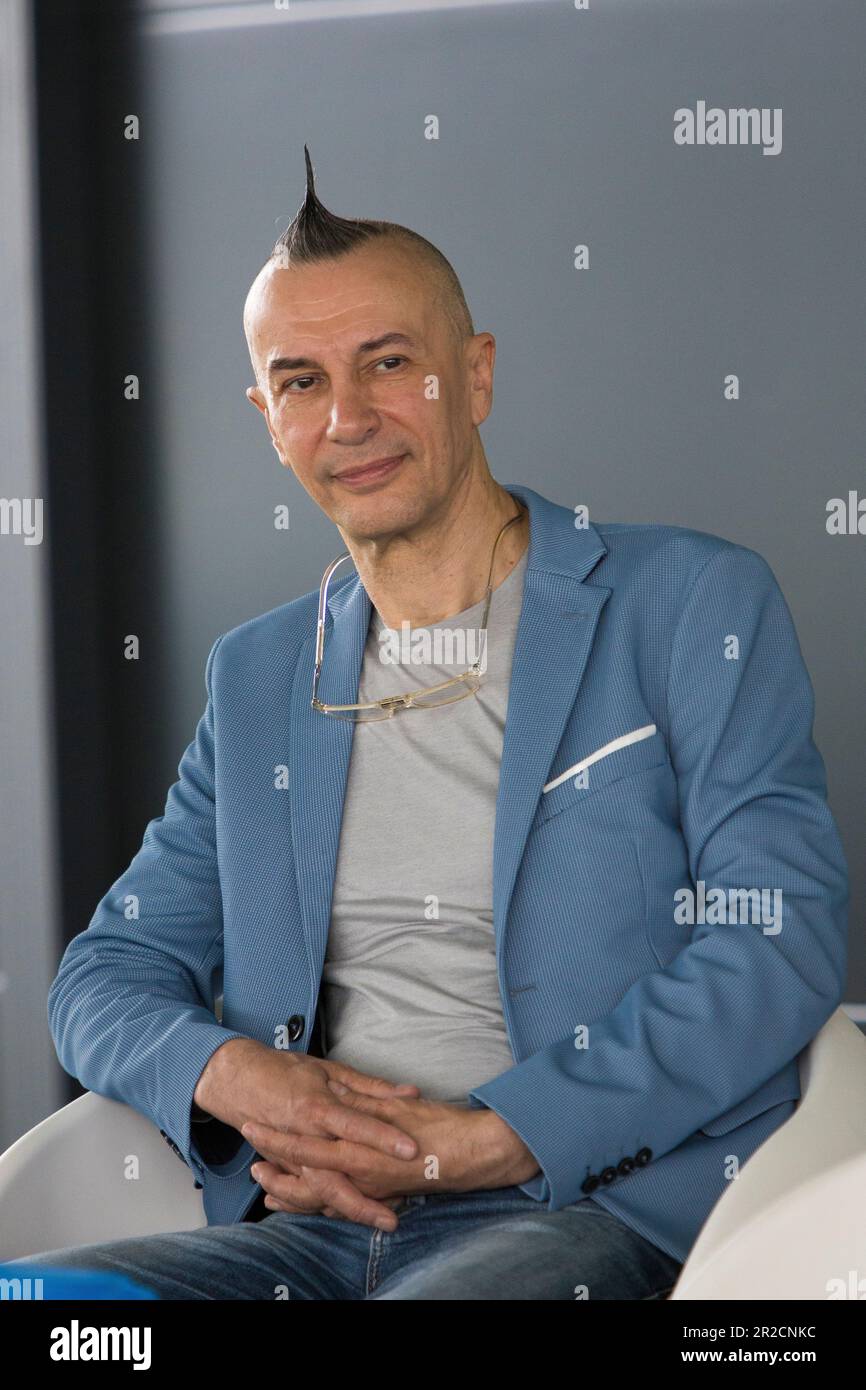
<point>389,704</point>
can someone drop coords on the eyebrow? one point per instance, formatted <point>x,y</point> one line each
<point>290,364</point>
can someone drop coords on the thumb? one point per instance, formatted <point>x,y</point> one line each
<point>368,1085</point>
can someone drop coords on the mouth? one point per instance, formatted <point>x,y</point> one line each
<point>369,473</point>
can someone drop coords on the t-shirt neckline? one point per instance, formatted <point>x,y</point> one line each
<point>462,617</point>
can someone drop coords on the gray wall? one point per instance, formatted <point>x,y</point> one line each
<point>556,129</point>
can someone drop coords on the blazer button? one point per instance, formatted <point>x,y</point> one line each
<point>625,1166</point>
<point>643,1156</point>
<point>589,1184</point>
<point>295,1026</point>
<point>608,1175</point>
<point>198,1184</point>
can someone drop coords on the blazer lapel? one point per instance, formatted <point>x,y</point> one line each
<point>557,626</point>
<point>321,747</point>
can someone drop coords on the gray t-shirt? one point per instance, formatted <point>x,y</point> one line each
<point>409,988</point>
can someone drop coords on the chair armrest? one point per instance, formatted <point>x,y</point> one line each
<point>94,1170</point>
<point>783,1228</point>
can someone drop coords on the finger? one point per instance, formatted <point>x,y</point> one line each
<point>296,1198</point>
<point>273,1204</point>
<point>321,1178</point>
<point>289,1190</point>
<point>380,1106</point>
<point>286,1153</point>
<point>335,1119</point>
<point>400,1092</point>
<point>337,1191</point>
<point>342,1120</point>
<point>368,1085</point>
<point>297,1151</point>
<point>366,1120</point>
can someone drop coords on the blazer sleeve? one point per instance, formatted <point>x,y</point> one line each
<point>131,1010</point>
<point>691,1040</point>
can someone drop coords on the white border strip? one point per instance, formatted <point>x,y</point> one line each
<point>203,18</point>
<point>622,742</point>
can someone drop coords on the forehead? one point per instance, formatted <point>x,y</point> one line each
<point>372,289</point>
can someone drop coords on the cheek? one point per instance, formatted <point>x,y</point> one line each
<point>296,440</point>
<point>422,405</point>
<point>285,425</point>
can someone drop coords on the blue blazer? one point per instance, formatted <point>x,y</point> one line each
<point>658,739</point>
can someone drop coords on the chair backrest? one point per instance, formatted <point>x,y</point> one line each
<point>782,1229</point>
<point>95,1170</point>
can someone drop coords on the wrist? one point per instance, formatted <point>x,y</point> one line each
<point>504,1159</point>
<point>216,1093</point>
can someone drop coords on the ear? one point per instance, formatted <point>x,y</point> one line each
<point>257,398</point>
<point>481,356</point>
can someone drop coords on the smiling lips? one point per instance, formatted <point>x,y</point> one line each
<point>372,473</point>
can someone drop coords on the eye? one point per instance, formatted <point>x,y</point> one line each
<point>293,380</point>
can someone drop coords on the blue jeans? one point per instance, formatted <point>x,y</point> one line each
<point>498,1244</point>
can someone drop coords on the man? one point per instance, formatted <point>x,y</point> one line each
<point>504,1003</point>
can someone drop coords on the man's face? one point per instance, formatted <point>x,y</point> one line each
<point>339,390</point>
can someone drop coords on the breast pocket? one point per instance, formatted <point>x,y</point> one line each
<point>627,754</point>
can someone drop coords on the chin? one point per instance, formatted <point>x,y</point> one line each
<point>378,514</point>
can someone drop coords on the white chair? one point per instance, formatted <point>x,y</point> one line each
<point>793,1220</point>
<point>64,1182</point>
<point>793,1224</point>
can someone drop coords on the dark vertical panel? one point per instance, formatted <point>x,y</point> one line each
<point>99,491</point>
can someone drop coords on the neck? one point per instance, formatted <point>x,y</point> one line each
<point>442,568</point>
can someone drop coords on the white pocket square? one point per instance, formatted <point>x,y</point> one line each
<point>622,742</point>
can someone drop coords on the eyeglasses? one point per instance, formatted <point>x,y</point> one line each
<point>429,697</point>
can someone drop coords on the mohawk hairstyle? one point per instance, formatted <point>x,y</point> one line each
<point>316,234</point>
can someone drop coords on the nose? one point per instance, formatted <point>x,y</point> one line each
<point>352,418</point>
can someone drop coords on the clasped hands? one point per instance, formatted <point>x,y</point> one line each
<point>368,1143</point>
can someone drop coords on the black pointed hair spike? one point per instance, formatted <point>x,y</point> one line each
<point>317,234</point>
